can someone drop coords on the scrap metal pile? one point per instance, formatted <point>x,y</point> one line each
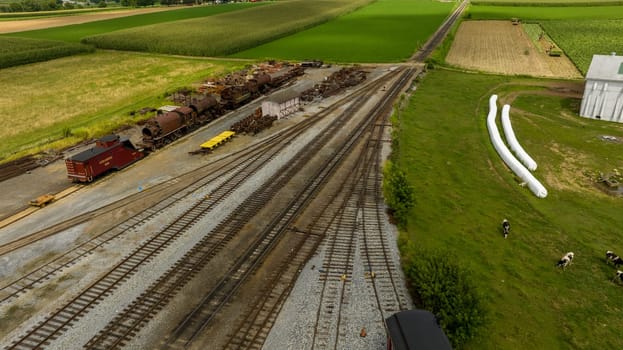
<point>345,77</point>
<point>254,123</point>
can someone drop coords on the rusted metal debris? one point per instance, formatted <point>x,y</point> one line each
<point>345,77</point>
<point>254,123</point>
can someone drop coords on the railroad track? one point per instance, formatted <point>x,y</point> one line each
<point>256,324</point>
<point>197,320</point>
<point>203,314</point>
<point>345,224</point>
<point>172,191</point>
<point>55,324</point>
<point>422,54</point>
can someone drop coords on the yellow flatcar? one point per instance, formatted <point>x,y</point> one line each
<point>217,140</point>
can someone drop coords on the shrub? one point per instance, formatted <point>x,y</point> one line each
<point>439,284</point>
<point>398,193</point>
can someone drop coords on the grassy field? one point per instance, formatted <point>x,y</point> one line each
<point>463,191</point>
<point>75,33</point>
<point>88,96</point>
<point>18,51</point>
<point>385,31</point>
<point>544,13</point>
<point>227,33</point>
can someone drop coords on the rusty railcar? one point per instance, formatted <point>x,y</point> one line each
<point>206,109</point>
<point>167,127</point>
<point>111,152</point>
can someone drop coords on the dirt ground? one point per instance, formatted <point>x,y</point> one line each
<point>501,47</point>
<point>42,23</point>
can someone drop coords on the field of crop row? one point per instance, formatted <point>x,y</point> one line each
<point>226,33</point>
<point>75,32</point>
<point>582,39</point>
<point>463,192</point>
<point>580,32</point>
<point>384,31</point>
<point>18,51</point>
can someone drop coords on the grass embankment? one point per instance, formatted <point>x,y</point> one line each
<point>463,191</point>
<point>88,96</point>
<point>384,31</point>
<point>227,33</point>
<point>75,32</point>
<point>18,51</point>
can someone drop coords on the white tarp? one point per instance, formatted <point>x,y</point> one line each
<point>523,156</point>
<point>533,184</point>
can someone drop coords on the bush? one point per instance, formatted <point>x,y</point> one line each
<point>398,193</point>
<point>439,284</point>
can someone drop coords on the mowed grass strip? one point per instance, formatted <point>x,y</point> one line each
<point>18,51</point>
<point>227,33</point>
<point>580,40</point>
<point>544,13</point>
<point>88,96</point>
<point>384,31</point>
<point>75,32</point>
<point>463,191</point>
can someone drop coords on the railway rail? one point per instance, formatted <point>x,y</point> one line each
<point>344,225</point>
<point>242,267</point>
<point>252,331</point>
<point>422,54</point>
<point>55,324</point>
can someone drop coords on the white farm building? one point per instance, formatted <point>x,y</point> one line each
<point>603,93</point>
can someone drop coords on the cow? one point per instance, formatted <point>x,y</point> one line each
<point>619,276</point>
<point>613,258</point>
<point>565,260</point>
<point>506,227</point>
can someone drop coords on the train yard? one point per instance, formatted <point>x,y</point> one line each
<point>175,259</point>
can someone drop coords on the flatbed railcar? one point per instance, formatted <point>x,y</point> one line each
<point>111,152</point>
<point>217,140</point>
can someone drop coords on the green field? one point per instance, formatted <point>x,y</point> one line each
<point>227,33</point>
<point>18,51</point>
<point>75,33</point>
<point>88,96</point>
<point>545,3</point>
<point>463,191</point>
<point>544,13</point>
<point>385,31</point>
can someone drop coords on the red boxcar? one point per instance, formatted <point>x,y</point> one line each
<point>109,152</point>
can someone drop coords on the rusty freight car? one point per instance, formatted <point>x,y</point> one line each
<point>111,152</point>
